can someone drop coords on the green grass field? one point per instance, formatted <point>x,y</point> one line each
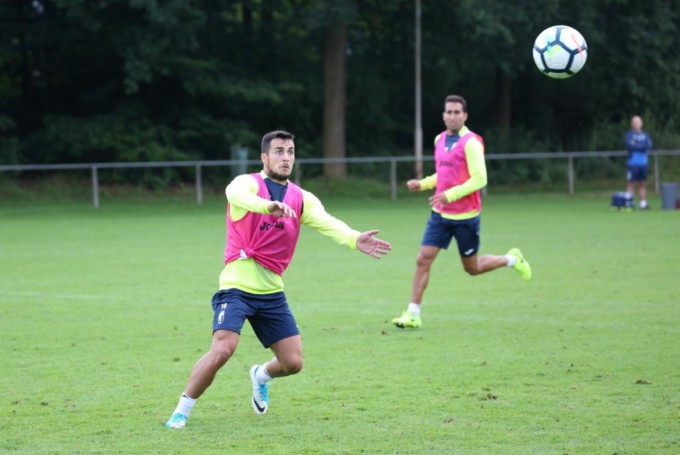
<point>104,312</point>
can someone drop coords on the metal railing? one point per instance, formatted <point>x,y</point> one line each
<point>301,162</point>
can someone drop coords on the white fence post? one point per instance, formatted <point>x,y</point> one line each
<point>656,173</point>
<point>199,185</point>
<point>570,173</point>
<point>393,179</point>
<point>298,173</point>
<point>95,187</point>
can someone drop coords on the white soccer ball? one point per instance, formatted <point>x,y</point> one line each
<point>560,51</point>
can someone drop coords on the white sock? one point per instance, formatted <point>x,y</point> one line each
<point>262,376</point>
<point>185,404</point>
<point>414,309</point>
<point>511,260</point>
<point>643,203</point>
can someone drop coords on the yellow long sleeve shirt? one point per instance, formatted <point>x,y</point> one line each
<point>249,276</point>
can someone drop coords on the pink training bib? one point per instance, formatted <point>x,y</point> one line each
<point>269,240</point>
<point>452,170</point>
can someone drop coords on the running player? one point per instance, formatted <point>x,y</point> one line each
<point>264,215</point>
<point>456,207</point>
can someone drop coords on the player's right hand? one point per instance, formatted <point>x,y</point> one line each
<point>374,247</point>
<point>281,210</point>
<point>413,185</point>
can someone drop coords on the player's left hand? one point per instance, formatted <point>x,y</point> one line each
<point>439,199</point>
<point>281,210</point>
<point>374,247</point>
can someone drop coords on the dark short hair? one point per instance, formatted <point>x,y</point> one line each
<point>456,99</point>
<point>270,136</point>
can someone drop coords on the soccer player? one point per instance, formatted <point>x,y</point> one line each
<point>638,144</point>
<point>456,207</point>
<point>264,214</point>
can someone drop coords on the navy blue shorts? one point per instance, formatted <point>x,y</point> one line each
<point>440,231</point>
<point>637,173</point>
<point>268,314</point>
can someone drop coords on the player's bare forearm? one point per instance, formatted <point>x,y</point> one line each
<point>369,244</point>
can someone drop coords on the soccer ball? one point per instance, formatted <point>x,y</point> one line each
<point>560,51</point>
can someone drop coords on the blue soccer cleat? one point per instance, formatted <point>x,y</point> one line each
<point>260,399</point>
<point>177,420</point>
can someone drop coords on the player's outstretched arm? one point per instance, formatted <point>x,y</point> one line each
<point>371,245</point>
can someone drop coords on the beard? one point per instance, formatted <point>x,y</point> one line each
<point>276,175</point>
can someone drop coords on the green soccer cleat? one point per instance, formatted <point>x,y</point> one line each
<point>407,320</point>
<point>521,265</point>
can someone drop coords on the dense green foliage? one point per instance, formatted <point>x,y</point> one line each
<point>126,80</point>
<point>104,313</point>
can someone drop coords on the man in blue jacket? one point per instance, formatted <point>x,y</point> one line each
<point>638,144</point>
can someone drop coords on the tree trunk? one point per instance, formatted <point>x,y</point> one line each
<point>334,99</point>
